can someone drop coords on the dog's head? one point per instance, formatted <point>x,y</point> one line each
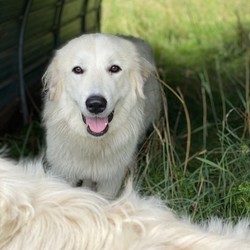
<point>101,76</point>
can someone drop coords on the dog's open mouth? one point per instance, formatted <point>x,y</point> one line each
<point>98,126</point>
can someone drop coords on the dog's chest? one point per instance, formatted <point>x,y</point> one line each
<point>82,159</point>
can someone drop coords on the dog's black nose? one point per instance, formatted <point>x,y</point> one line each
<point>96,104</point>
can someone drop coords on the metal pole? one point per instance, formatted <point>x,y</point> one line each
<point>57,23</point>
<point>20,61</point>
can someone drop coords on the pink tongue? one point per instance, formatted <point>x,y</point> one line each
<point>97,124</point>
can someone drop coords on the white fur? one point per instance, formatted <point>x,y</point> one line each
<point>44,213</point>
<point>133,94</point>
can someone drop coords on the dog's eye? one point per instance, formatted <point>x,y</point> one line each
<point>77,70</point>
<point>114,69</point>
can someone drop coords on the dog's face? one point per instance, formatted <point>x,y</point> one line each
<point>97,77</point>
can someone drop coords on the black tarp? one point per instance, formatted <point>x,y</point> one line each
<point>30,30</point>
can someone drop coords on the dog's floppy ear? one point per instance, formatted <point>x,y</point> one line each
<point>141,73</point>
<point>51,80</point>
<point>144,60</point>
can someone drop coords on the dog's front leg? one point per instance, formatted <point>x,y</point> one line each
<point>87,183</point>
<point>109,188</point>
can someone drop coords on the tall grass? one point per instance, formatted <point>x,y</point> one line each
<point>212,181</point>
<point>28,141</point>
<point>198,156</point>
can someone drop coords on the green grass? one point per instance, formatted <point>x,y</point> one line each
<point>198,159</point>
<point>185,35</point>
<point>27,141</point>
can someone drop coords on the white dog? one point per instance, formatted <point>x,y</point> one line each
<point>44,213</point>
<point>101,97</point>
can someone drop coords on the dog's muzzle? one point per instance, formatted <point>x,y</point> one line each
<point>98,126</point>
